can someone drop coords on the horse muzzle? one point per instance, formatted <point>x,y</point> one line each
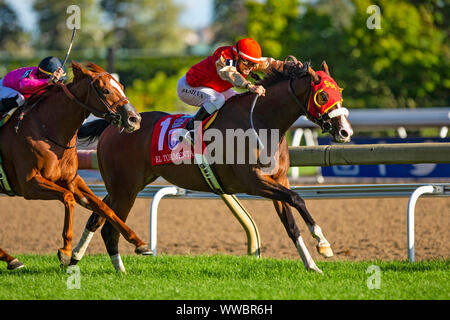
<point>131,119</point>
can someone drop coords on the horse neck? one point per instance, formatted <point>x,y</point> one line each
<point>63,116</point>
<point>280,108</point>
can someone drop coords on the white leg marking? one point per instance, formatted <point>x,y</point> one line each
<point>306,257</point>
<point>117,263</point>
<point>323,246</point>
<point>81,247</point>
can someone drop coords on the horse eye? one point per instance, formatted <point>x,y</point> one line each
<point>323,98</point>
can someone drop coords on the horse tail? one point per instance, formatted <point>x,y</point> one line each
<point>90,131</point>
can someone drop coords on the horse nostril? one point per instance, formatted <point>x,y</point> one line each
<point>133,120</point>
<point>343,133</point>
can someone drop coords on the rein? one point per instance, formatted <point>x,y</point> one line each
<point>111,115</point>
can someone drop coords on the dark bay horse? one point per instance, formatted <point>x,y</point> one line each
<point>287,95</point>
<point>39,154</point>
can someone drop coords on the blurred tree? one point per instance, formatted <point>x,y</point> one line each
<point>148,24</point>
<point>271,23</point>
<point>54,32</point>
<point>405,63</point>
<point>230,21</point>
<point>13,38</point>
<point>158,93</point>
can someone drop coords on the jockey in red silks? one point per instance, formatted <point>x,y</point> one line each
<point>209,83</point>
<point>21,83</point>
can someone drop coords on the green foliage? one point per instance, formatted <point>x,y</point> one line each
<point>53,31</point>
<point>159,93</point>
<point>405,64</point>
<point>143,24</point>
<point>12,36</point>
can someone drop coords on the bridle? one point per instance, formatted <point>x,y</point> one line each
<point>111,115</point>
<point>294,70</point>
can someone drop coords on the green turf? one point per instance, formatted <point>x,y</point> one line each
<point>223,277</point>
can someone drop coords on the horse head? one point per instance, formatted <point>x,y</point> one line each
<point>324,104</point>
<point>105,97</point>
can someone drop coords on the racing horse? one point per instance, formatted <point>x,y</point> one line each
<point>297,90</point>
<point>38,148</point>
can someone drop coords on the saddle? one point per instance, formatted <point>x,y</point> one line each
<point>167,148</point>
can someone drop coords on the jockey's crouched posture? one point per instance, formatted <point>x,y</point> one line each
<point>209,83</point>
<point>21,83</point>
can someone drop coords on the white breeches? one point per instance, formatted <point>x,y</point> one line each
<point>202,96</point>
<point>6,92</point>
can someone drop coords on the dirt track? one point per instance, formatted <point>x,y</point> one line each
<point>357,229</point>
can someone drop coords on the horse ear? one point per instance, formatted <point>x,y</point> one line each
<point>325,68</point>
<point>314,75</point>
<point>79,72</point>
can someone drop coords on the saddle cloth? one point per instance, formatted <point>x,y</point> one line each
<point>166,147</point>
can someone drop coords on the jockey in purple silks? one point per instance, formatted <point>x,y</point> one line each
<point>21,83</point>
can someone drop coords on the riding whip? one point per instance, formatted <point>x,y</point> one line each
<point>70,46</point>
<point>251,122</point>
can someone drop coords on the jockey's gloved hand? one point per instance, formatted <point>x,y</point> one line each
<point>260,90</point>
<point>56,75</point>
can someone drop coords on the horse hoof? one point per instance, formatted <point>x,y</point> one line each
<point>15,264</point>
<point>63,258</point>
<point>325,251</point>
<point>143,250</point>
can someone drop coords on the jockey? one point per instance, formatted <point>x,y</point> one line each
<point>209,83</point>
<point>21,83</point>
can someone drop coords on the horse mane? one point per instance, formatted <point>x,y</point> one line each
<point>94,68</point>
<point>274,76</point>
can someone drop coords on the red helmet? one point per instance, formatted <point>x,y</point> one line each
<point>248,49</point>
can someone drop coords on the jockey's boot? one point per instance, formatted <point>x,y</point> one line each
<point>201,115</point>
<point>7,104</point>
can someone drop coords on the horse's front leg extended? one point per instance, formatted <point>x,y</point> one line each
<point>43,189</point>
<point>88,199</point>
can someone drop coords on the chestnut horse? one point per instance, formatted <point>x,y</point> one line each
<point>39,154</point>
<point>125,174</point>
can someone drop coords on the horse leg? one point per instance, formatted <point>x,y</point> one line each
<point>267,187</point>
<point>12,262</point>
<point>88,199</point>
<point>121,200</point>
<point>43,189</point>
<point>94,222</point>
<point>323,246</point>
<point>286,217</point>
<point>121,204</point>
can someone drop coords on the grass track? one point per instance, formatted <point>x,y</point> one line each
<point>223,277</point>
